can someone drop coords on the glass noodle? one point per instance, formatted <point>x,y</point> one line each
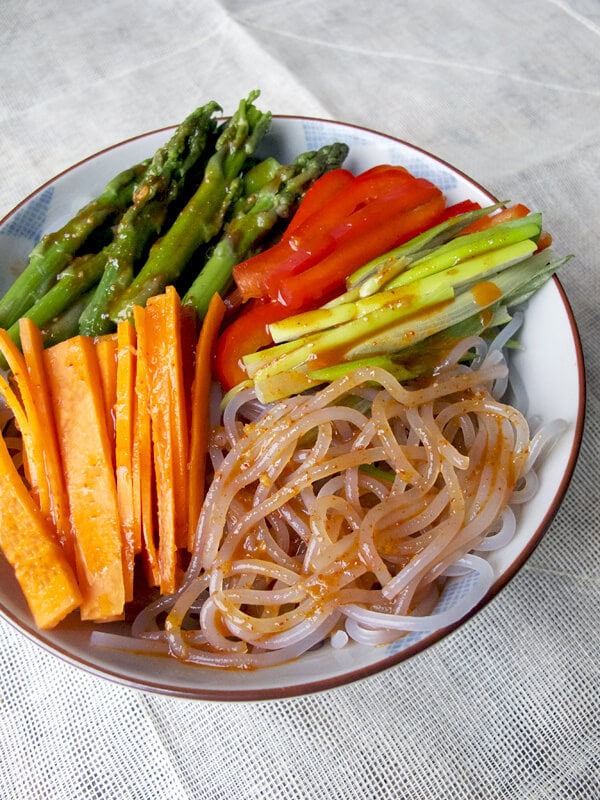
<point>343,513</point>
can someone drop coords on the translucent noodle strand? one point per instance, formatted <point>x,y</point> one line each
<point>361,512</point>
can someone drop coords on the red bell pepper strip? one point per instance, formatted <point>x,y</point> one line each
<point>544,240</point>
<point>310,239</point>
<point>459,208</point>
<point>319,195</point>
<point>512,212</point>
<point>354,227</point>
<point>246,334</point>
<point>251,276</point>
<point>383,208</point>
<point>378,228</point>
<point>364,189</point>
<point>381,168</point>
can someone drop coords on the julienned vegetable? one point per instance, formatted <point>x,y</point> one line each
<point>340,245</point>
<point>124,418</point>
<point>402,298</point>
<point>167,389</point>
<point>200,411</point>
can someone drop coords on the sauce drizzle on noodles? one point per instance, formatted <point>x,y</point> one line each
<point>346,511</point>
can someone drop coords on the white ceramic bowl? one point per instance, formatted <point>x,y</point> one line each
<point>551,364</point>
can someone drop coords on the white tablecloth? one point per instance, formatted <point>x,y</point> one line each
<point>509,92</point>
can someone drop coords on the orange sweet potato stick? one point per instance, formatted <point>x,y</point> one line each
<point>124,437</point>
<point>200,411</point>
<point>32,549</point>
<point>142,466</point>
<point>79,411</point>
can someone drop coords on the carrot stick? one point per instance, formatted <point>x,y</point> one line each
<point>26,442</point>
<point>505,215</point>
<point>106,351</point>
<point>200,419</point>
<point>33,436</point>
<point>14,404</point>
<point>158,340</point>
<point>78,406</point>
<point>142,467</point>
<point>30,546</point>
<point>32,346</point>
<point>189,338</point>
<point>124,420</point>
<point>177,407</point>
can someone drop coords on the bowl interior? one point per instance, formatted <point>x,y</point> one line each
<point>550,364</point>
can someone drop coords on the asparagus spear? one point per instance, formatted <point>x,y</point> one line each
<point>144,219</point>
<point>55,250</point>
<point>259,175</point>
<point>79,277</point>
<point>65,324</point>
<point>203,216</point>
<point>275,200</point>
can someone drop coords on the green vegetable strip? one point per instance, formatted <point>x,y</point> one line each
<point>422,244</point>
<point>202,218</point>
<point>439,243</point>
<point>384,331</point>
<point>514,285</point>
<point>82,274</point>
<point>65,325</point>
<point>328,374</point>
<point>422,358</point>
<point>55,250</point>
<point>143,221</point>
<point>433,287</point>
<point>275,200</point>
<point>340,337</point>
<point>457,250</point>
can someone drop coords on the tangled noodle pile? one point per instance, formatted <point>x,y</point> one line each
<point>342,513</point>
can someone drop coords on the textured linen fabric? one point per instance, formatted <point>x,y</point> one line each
<point>509,705</point>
